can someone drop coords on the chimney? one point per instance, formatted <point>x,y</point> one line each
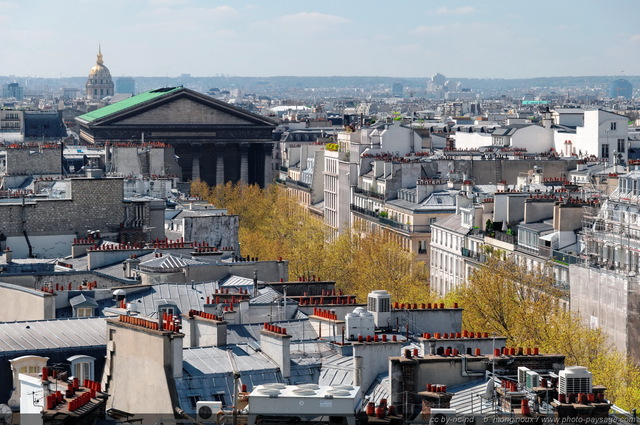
<point>204,329</point>
<point>8,255</point>
<point>138,344</point>
<point>277,345</point>
<point>130,266</point>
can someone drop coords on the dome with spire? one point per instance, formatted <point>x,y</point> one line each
<point>99,84</point>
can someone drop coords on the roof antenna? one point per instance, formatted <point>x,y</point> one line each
<point>255,283</point>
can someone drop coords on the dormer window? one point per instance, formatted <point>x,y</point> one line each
<point>82,367</point>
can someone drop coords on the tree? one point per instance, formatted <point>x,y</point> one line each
<point>503,298</point>
<point>273,224</point>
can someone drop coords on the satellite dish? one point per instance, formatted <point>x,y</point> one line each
<point>6,415</point>
<point>488,389</point>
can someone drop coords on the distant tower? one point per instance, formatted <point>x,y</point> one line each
<point>99,84</point>
<point>397,90</point>
<point>621,88</point>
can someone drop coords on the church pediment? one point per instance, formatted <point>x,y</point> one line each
<point>183,112</point>
<point>178,106</point>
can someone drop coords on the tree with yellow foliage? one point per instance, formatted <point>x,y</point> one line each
<point>503,298</point>
<point>273,224</point>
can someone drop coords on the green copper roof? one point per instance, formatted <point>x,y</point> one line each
<point>126,104</point>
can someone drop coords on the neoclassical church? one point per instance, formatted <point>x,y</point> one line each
<point>99,84</point>
<point>213,140</point>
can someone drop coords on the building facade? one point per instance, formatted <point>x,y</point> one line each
<point>213,140</point>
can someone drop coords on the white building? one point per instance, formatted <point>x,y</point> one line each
<point>595,133</point>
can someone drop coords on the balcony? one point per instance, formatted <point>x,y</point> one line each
<point>505,237</point>
<point>472,255</point>
<point>406,228</point>
<point>369,193</point>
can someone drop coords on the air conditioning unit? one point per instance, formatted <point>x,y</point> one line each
<point>574,380</point>
<point>522,374</point>
<point>441,416</point>
<point>207,411</point>
<point>532,379</point>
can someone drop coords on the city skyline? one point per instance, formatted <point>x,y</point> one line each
<point>491,39</point>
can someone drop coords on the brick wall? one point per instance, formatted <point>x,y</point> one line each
<point>34,161</point>
<point>95,204</point>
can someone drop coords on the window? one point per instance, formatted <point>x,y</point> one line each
<point>219,397</point>
<point>82,371</point>
<point>422,247</point>
<point>167,310</point>
<point>605,150</point>
<point>29,369</point>
<point>193,400</point>
<point>620,145</point>
<point>613,125</point>
<point>81,367</point>
<point>84,312</point>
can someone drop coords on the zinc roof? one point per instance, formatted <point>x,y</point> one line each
<point>30,336</point>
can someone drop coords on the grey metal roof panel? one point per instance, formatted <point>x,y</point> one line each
<point>82,299</point>
<point>379,389</point>
<point>31,336</point>
<point>469,399</point>
<point>236,282</point>
<point>266,295</point>
<point>208,373</point>
<point>300,330</point>
<point>185,296</point>
<point>168,262</point>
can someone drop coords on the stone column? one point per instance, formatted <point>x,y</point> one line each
<point>244,162</point>
<point>195,161</point>
<point>267,150</point>
<point>220,163</point>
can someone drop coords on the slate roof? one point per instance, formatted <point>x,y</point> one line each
<point>47,335</point>
<point>43,124</point>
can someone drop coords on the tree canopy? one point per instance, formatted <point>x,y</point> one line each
<point>273,224</point>
<point>504,298</point>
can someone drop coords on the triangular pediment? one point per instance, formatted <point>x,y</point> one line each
<point>182,111</point>
<point>173,106</point>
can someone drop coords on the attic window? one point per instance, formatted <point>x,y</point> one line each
<point>193,400</point>
<point>219,397</point>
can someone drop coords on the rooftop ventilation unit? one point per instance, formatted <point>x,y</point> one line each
<point>522,375</point>
<point>379,304</point>
<point>532,379</point>
<point>207,411</point>
<point>574,380</point>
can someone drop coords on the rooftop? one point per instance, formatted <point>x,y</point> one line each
<point>126,104</point>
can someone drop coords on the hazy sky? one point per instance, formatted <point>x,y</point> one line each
<point>479,38</point>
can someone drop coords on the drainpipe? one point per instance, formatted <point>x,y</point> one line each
<point>465,373</point>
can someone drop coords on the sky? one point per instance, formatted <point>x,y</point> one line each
<point>260,38</point>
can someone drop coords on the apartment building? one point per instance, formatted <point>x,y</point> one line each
<point>604,288</point>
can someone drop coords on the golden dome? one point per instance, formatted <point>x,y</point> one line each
<point>99,70</point>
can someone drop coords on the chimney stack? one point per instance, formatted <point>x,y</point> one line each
<point>277,346</point>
